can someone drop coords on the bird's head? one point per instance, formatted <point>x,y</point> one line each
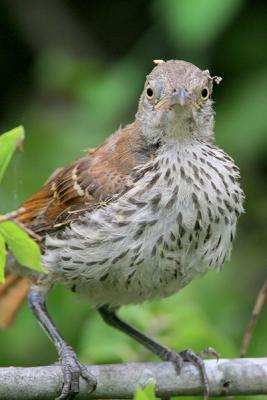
<point>176,101</point>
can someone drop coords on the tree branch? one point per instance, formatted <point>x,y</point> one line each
<point>227,377</point>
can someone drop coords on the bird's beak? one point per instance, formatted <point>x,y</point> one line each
<point>179,97</point>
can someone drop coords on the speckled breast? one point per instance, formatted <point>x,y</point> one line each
<point>177,221</point>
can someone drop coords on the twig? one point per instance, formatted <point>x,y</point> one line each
<point>12,214</point>
<point>226,377</point>
<point>29,231</point>
<point>261,298</point>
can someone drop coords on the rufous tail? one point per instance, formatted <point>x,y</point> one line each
<point>12,294</point>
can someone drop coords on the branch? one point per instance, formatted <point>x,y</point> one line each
<point>227,377</point>
<point>261,298</point>
<point>12,215</point>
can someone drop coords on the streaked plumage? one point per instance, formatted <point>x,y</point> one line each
<point>142,215</point>
<point>176,221</point>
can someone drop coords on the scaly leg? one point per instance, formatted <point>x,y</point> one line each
<point>72,369</point>
<point>164,353</point>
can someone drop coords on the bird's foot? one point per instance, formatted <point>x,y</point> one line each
<point>72,370</point>
<point>209,352</point>
<point>178,360</point>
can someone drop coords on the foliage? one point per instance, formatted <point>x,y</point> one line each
<point>196,24</point>
<point>8,144</point>
<point>147,393</point>
<point>25,250</point>
<point>78,86</point>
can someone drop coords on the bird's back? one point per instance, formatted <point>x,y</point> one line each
<point>88,182</point>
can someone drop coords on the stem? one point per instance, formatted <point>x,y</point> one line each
<point>226,378</point>
<point>12,214</point>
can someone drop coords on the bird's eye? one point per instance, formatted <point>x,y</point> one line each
<point>149,93</point>
<point>205,93</point>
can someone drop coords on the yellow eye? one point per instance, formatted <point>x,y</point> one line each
<point>149,93</point>
<point>205,93</point>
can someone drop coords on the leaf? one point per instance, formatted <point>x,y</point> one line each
<point>2,258</point>
<point>147,393</point>
<point>25,250</point>
<point>9,141</point>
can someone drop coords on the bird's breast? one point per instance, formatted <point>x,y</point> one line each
<point>177,221</point>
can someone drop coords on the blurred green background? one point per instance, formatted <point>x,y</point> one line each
<point>71,73</point>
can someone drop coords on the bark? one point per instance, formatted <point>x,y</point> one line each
<point>227,377</point>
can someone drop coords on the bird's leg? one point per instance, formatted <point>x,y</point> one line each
<point>163,352</point>
<point>72,369</point>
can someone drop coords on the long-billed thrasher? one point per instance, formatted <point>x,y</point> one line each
<point>136,218</point>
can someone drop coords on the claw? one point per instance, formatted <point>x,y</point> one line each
<point>176,359</point>
<point>195,358</point>
<point>209,352</point>
<point>72,370</point>
<point>88,377</point>
<point>189,355</point>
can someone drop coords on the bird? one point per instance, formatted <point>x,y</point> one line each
<point>135,219</point>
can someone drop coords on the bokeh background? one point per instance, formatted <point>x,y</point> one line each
<point>71,73</point>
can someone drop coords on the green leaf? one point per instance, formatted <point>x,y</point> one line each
<point>25,250</point>
<point>2,258</point>
<point>148,393</point>
<point>9,141</point>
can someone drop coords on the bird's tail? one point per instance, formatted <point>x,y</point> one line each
<point>12,294</point>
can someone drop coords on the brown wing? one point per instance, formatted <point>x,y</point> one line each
<point>87,182</point>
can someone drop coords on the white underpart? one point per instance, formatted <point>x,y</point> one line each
<point>95,257</point>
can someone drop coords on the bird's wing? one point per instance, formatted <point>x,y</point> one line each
<point>87,182</point>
